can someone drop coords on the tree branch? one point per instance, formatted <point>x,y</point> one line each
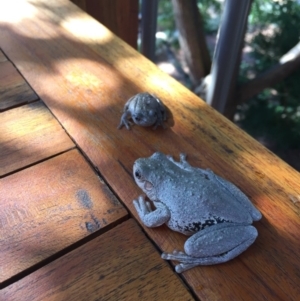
<point>192,38</point>
<point>289,63</point>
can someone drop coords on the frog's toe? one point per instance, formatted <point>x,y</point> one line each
<point>179,268</point>
<point>148,206</point>
<point>136,204</point>
<point>182,157</point>
<point>169,256</point>
<point>128,125</point>
<point>176,252</point>
<point>120,125</point>
<point>124,123</point>
<point>186,262</point>
<point>140,204</point>
<point>165,256</point>
<point>177,256</point>
<point>169,157</point>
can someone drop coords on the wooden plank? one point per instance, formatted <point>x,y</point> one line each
<point>113,266</point>
<point>80,3</point>
<point>101,72</point>
<point>48,207</point>
<point>14,90</point>
<point>2,57</point>
<point>29,134</point>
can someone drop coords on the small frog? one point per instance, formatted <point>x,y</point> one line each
<point>196,202</point>
<point>145,110</point>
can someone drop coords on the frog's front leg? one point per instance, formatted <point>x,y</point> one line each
<point>151,218</point>
<point>161,117</point>
<point>124,120</point>
<point>213,245</point>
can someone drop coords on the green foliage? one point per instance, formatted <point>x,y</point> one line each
<point>211,14</point>
<point>274,114</point>
<point>278,26</point>
<point>166,20</point>
<point>275,124</point>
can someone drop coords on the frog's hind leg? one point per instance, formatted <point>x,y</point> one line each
<point>238,195</point>
<point>213,245</point>
<point>187,262</point>
<point>159,121</point>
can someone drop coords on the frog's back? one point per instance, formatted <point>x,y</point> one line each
<point>202,202</point>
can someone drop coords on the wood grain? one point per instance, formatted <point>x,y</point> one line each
<point>2,57</point>
<point>48,207</point>
<point>85,74</point>
<point>29,134</point>
<point>14,90</point>
<point>80,3</point>
<point>121,264</point>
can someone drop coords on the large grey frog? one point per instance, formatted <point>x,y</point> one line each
<point>195,202</point>
<point>144,109</point>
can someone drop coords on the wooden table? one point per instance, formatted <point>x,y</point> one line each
<point>68,227</point>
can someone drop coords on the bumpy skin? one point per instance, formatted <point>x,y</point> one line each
<point>195,202</point>
<point>145,110</point>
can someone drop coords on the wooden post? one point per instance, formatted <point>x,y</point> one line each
<point>149,20</point>
<point>227,54</point>
<point>120,16</point>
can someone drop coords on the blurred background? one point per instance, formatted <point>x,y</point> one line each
<point>242,57</point>
<point>272,115</point>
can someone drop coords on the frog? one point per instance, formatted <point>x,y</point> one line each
<point>145,110</point>
<point>215,214</point>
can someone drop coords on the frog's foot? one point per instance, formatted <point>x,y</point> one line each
<point>151,218</point>
<point>183,162</point>
<point>187,262</point>
<point>157,124</point>
<point>169,157</point>
<point>182,157</point>
<point>125,122</point>
<point>161,124</point>
<point>159,121</point>
<point>142,206</point>
<point>176,255</point>
<point>213,245</point>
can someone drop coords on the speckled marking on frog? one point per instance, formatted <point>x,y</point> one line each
<point>197,226</point>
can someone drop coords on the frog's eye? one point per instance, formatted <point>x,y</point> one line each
<point>137,117</point>
<point>138,174</point>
